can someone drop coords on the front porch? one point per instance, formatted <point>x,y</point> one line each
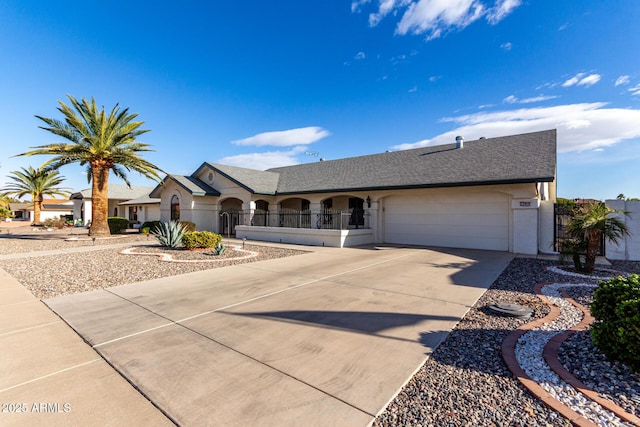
<point>325,227</point>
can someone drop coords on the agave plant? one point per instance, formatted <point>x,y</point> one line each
<point>169,234</point>
<point>219,249</point>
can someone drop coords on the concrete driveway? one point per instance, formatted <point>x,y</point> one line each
<point>324,338</point>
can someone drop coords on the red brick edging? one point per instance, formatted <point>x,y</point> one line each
<point>509,355</point>
<point>550,354</point>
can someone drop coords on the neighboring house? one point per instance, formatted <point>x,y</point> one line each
<point>51,209</point>
<point>494,193</point>
<point>140,210</point>
<point>118,194</point>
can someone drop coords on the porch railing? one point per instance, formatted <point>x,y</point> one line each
<point>327,219</point>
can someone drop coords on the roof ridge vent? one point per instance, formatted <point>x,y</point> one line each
<point>459,142</point>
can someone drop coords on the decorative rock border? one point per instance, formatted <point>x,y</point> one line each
<point>559,270</point>
<point>530,353</point>
<point>169,258</point>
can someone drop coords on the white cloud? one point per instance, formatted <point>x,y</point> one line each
<point>437,17</point>
<point>267,160</point>
<point>563,26</point>
<point>580,80</point>
<point>285,138</point>
<point>506,46</point>
<point>589,80</point>
<point>513,100</point>
<point>501,10</point>
<point>635,90</point>
<point>413,89</point>
<point>356,4</point>
<point>622,80</point>
<point>433,79</point>
<point>434,17</point>
<point>359,56</point>
<point>586,126</point>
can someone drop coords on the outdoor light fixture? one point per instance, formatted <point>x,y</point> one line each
<point>368,201</point>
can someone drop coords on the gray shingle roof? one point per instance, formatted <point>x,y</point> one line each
<point>529,157</point>
<point>255,181</point>
<point>193,185</point>
<point>117,191</point>
<point>144,200</point>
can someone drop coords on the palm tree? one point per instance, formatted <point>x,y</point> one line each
<point>101,142</point>
<point>590,223</point>
<point>36,183</point>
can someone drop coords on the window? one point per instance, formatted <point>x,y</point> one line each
<point>175,208</point>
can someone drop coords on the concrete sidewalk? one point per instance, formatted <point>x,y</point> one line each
<point>324,338</point>
<point>50,376</point>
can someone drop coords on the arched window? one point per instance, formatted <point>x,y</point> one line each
<point>175,208</point>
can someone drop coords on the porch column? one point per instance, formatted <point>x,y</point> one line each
<point>525,225</point>
<point>249,209</point>
<point>216,219</point>
<point>373,219</point>
<point>273,214</point>
<point>316,214</point>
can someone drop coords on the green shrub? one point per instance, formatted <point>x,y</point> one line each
<point>616,308</point>
<point>189,226</point>
<point>169,234</point>
<point>148,226</point>
<point>200,239</point>
<point>117,225</point>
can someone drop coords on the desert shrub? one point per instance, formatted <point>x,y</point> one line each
<point>58,223</point>
<point>117,225</point>
<point>200,239</point>
<point>616,308</point>
<point>148,226</point>
<point>169,234</point>
<point>189,226</point>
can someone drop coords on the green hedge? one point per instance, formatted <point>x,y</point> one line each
<point>616,308</point>
<point>200,239</point>
<point>117,225</point>
<point>147,227</point>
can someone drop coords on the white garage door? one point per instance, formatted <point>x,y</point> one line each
<point>453,219</point>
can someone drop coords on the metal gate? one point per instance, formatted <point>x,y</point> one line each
<point>562,216</point>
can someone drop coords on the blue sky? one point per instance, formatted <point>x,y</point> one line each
<point>264,84</point>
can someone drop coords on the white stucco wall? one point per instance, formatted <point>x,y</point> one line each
<point>525,225</point>
<point>628,248</point>
<point>306,236</point>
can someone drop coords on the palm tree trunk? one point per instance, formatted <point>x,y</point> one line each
<point>593,244</point>
<point>37,208</point>
<point>99,201</point>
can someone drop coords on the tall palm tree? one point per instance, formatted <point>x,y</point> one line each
<point>101,142</point>
<point>590,223</point>
<point>36,183</point>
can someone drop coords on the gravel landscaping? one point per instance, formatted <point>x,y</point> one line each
<point>62,274</point>
<point>465,382</point>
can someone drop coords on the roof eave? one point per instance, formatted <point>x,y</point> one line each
<point>418,186</point>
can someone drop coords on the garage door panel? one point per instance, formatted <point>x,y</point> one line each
<point>478,221</point>
<point>452,219</point>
